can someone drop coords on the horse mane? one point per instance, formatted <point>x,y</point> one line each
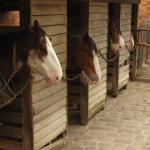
<point>89,42</point>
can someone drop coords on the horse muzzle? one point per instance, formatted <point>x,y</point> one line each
<point>54,80</point>
<point>94,78</point>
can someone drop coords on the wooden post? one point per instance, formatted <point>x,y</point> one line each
<point>27,119</point>
<point>115,77</point>
<point>84,100</point>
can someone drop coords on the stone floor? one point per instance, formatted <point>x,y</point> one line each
<point>144,73</point>
<point>124,124</point>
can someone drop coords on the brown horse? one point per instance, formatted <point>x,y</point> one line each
<point>116,37</point>
<point>82,55</point>
<point>29,47</point>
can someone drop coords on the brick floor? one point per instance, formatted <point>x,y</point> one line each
<point>124,124</point>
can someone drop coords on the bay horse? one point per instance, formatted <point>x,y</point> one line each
<point>22,52</point>
<point>82,55</point>
<point>117,39</point>
<point>30,46</point>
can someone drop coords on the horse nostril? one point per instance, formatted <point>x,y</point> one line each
<point>57,78</point>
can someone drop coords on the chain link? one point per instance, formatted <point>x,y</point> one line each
<point>108,60</point>
<point>71,78</point>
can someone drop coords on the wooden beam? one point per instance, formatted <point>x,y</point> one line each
<point>143,44</point>
<point>119,1</point>
<point>147,30</point>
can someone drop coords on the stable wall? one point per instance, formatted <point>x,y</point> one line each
<point>98,30</point>
<point>49,103</point>
<point>125,27</point>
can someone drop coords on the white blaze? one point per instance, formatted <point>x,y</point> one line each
<point>121,40</point>
<point>50,67</point>
<point>96,65</point>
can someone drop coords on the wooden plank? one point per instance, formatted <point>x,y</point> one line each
<point>58,39</point>
<point>50,20</point>
<point>97,24</point>
<point>49,119</point>
<point>97,102</point>
<point>50,137</point>
<point>96,109</point>
<point>46,92</point>
<point>96,96</point>
<point>98,16</point>
<point>144,44</point>
<point>98,9</point>
<point>43,85</point>
<point>55,145</point>
<point>56,2</point>
<point>47,112</point>
<point>39,136</point>
<point>101,38</point>
<point>11,132</point>
<point>60,48</point>
<point>46,9</point>
<point>48,101</point>
<point>97,89</point>
<point>55,29</point>
<point>10,145</point>
<point>98,31</point>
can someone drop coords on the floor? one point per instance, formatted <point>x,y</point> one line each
<point>124,124</point>
<point>144,73</point>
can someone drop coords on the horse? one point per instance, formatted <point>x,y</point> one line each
<point>22,53</point>
<point>117,41</point>
<point>82,55</point>
<point>32,47</point>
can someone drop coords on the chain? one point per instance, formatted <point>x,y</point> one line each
<point>15,95</point>
<point>72,78</point>
<point>108,60</point>
<point>8,81</point>
<point>12,98</point>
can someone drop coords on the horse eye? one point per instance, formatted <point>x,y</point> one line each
<point>50,39</point>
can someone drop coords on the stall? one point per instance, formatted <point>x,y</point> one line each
<point>37,119</point>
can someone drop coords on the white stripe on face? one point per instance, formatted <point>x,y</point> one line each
<point>96,65</point>
<point>50,67</point>
<point>122,43</point>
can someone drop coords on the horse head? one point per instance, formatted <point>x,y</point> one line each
<point>116,37</point>
<point>83,54</point>
<point>36,49</point>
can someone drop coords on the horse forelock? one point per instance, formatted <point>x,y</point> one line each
<point>91,44</point>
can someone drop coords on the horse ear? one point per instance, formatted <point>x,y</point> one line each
<point>36,24</point>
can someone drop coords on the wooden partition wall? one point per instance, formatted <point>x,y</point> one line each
<point>50,103</point>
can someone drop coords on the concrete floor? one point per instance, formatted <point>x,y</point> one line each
<point>124,124</point>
